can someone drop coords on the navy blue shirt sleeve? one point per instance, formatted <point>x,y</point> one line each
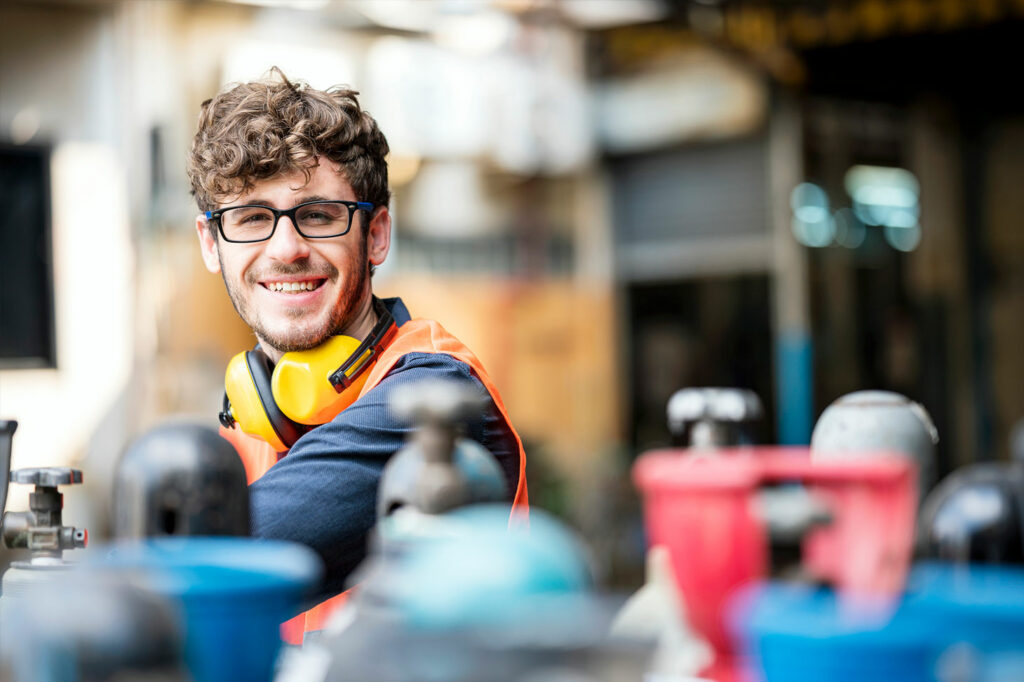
<point>324,492</point>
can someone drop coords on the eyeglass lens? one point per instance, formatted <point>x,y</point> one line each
<point>255,223</point>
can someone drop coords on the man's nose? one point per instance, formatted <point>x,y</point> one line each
<point>286,244</point>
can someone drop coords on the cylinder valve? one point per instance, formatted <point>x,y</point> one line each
<point>439,469</point>
<point>709,418</point>
<point>40,529</point>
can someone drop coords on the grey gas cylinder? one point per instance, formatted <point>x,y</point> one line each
<point>873,421</point>
<point>180,478</point>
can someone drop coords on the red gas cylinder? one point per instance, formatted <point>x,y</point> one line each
<point>702,505</point>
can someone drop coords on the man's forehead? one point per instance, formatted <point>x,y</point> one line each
<point>323,181</point>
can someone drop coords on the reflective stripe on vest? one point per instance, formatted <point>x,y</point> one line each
<point>415,336</point>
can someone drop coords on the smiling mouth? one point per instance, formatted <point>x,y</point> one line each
<point>294,287</point>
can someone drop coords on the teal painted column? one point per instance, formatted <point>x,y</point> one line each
<point>794,388</point>
<point>794,358</point>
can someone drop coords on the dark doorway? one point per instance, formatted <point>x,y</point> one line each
<point>713,331</point>
<point>26,270</point>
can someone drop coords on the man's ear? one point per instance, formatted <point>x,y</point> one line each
<point>378,237</point>
<point>207,244</point>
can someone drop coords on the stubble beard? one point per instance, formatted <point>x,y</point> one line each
<point>343,315</point>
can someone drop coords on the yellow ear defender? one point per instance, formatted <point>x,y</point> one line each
<point>279,403</point>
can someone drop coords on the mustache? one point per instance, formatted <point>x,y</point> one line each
<point>291,269</point>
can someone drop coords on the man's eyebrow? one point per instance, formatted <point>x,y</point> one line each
<point>311,197</point>
<point>252,202</point>
<point>255,201</point>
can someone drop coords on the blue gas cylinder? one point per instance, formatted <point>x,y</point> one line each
<point>473,571</point>
<point>953,622</point>
<point>233,594</point>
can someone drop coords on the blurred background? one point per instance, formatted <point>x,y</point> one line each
<point>607,200</point>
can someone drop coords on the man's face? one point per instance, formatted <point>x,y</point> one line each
<point>296,292</point>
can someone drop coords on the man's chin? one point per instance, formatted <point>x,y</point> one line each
<point>290,341</point>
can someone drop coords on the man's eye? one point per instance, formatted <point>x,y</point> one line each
<point>316,217</point>
<point>255,218</point>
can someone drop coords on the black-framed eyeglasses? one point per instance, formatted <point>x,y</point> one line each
<point>312,220</point>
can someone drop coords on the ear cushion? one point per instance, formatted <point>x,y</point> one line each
<point>261,369</point>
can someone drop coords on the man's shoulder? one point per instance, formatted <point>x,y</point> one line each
<point>429,363</point>
<point>424,345</point>
<point>423,349</point>
<point>422,335</point>
<point>426,351</point>
<point>368,426</point>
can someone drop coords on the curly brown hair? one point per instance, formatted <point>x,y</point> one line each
<point>256,130</point>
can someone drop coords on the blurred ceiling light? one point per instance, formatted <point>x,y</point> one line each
<point>812,223</point>
<point>884,196</point>
<point>809,202</point>
<point>882,214</point>
<point>866,178</point>
<point>477,34</point>
<point>903,238</point>
<point>306,5</point>
<point>887,197</point>
<point>816,235</point>
<point>24,125</point>
<point>901,217</point>
<point>850,231</point>
<point>597,14</point>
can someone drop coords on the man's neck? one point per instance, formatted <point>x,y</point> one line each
<point>364,321</point>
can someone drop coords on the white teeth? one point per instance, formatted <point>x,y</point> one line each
<point>291,286</point>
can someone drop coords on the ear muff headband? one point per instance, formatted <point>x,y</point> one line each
<point>366,354</point>
<point>261,369</point>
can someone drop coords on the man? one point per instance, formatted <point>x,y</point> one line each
<point>292,183</point>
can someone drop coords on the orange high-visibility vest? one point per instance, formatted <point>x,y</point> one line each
<point>415,336</point>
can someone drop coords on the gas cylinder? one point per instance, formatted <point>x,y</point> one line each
<point>976,514</point>
<point>479,602</point>
<point>180,490</point>
<point>951,623</point>
<point>39,530</point>
<point>7,429</point>
<point>90,625</point>
<point>864,422</point>
<point>180,479</point>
